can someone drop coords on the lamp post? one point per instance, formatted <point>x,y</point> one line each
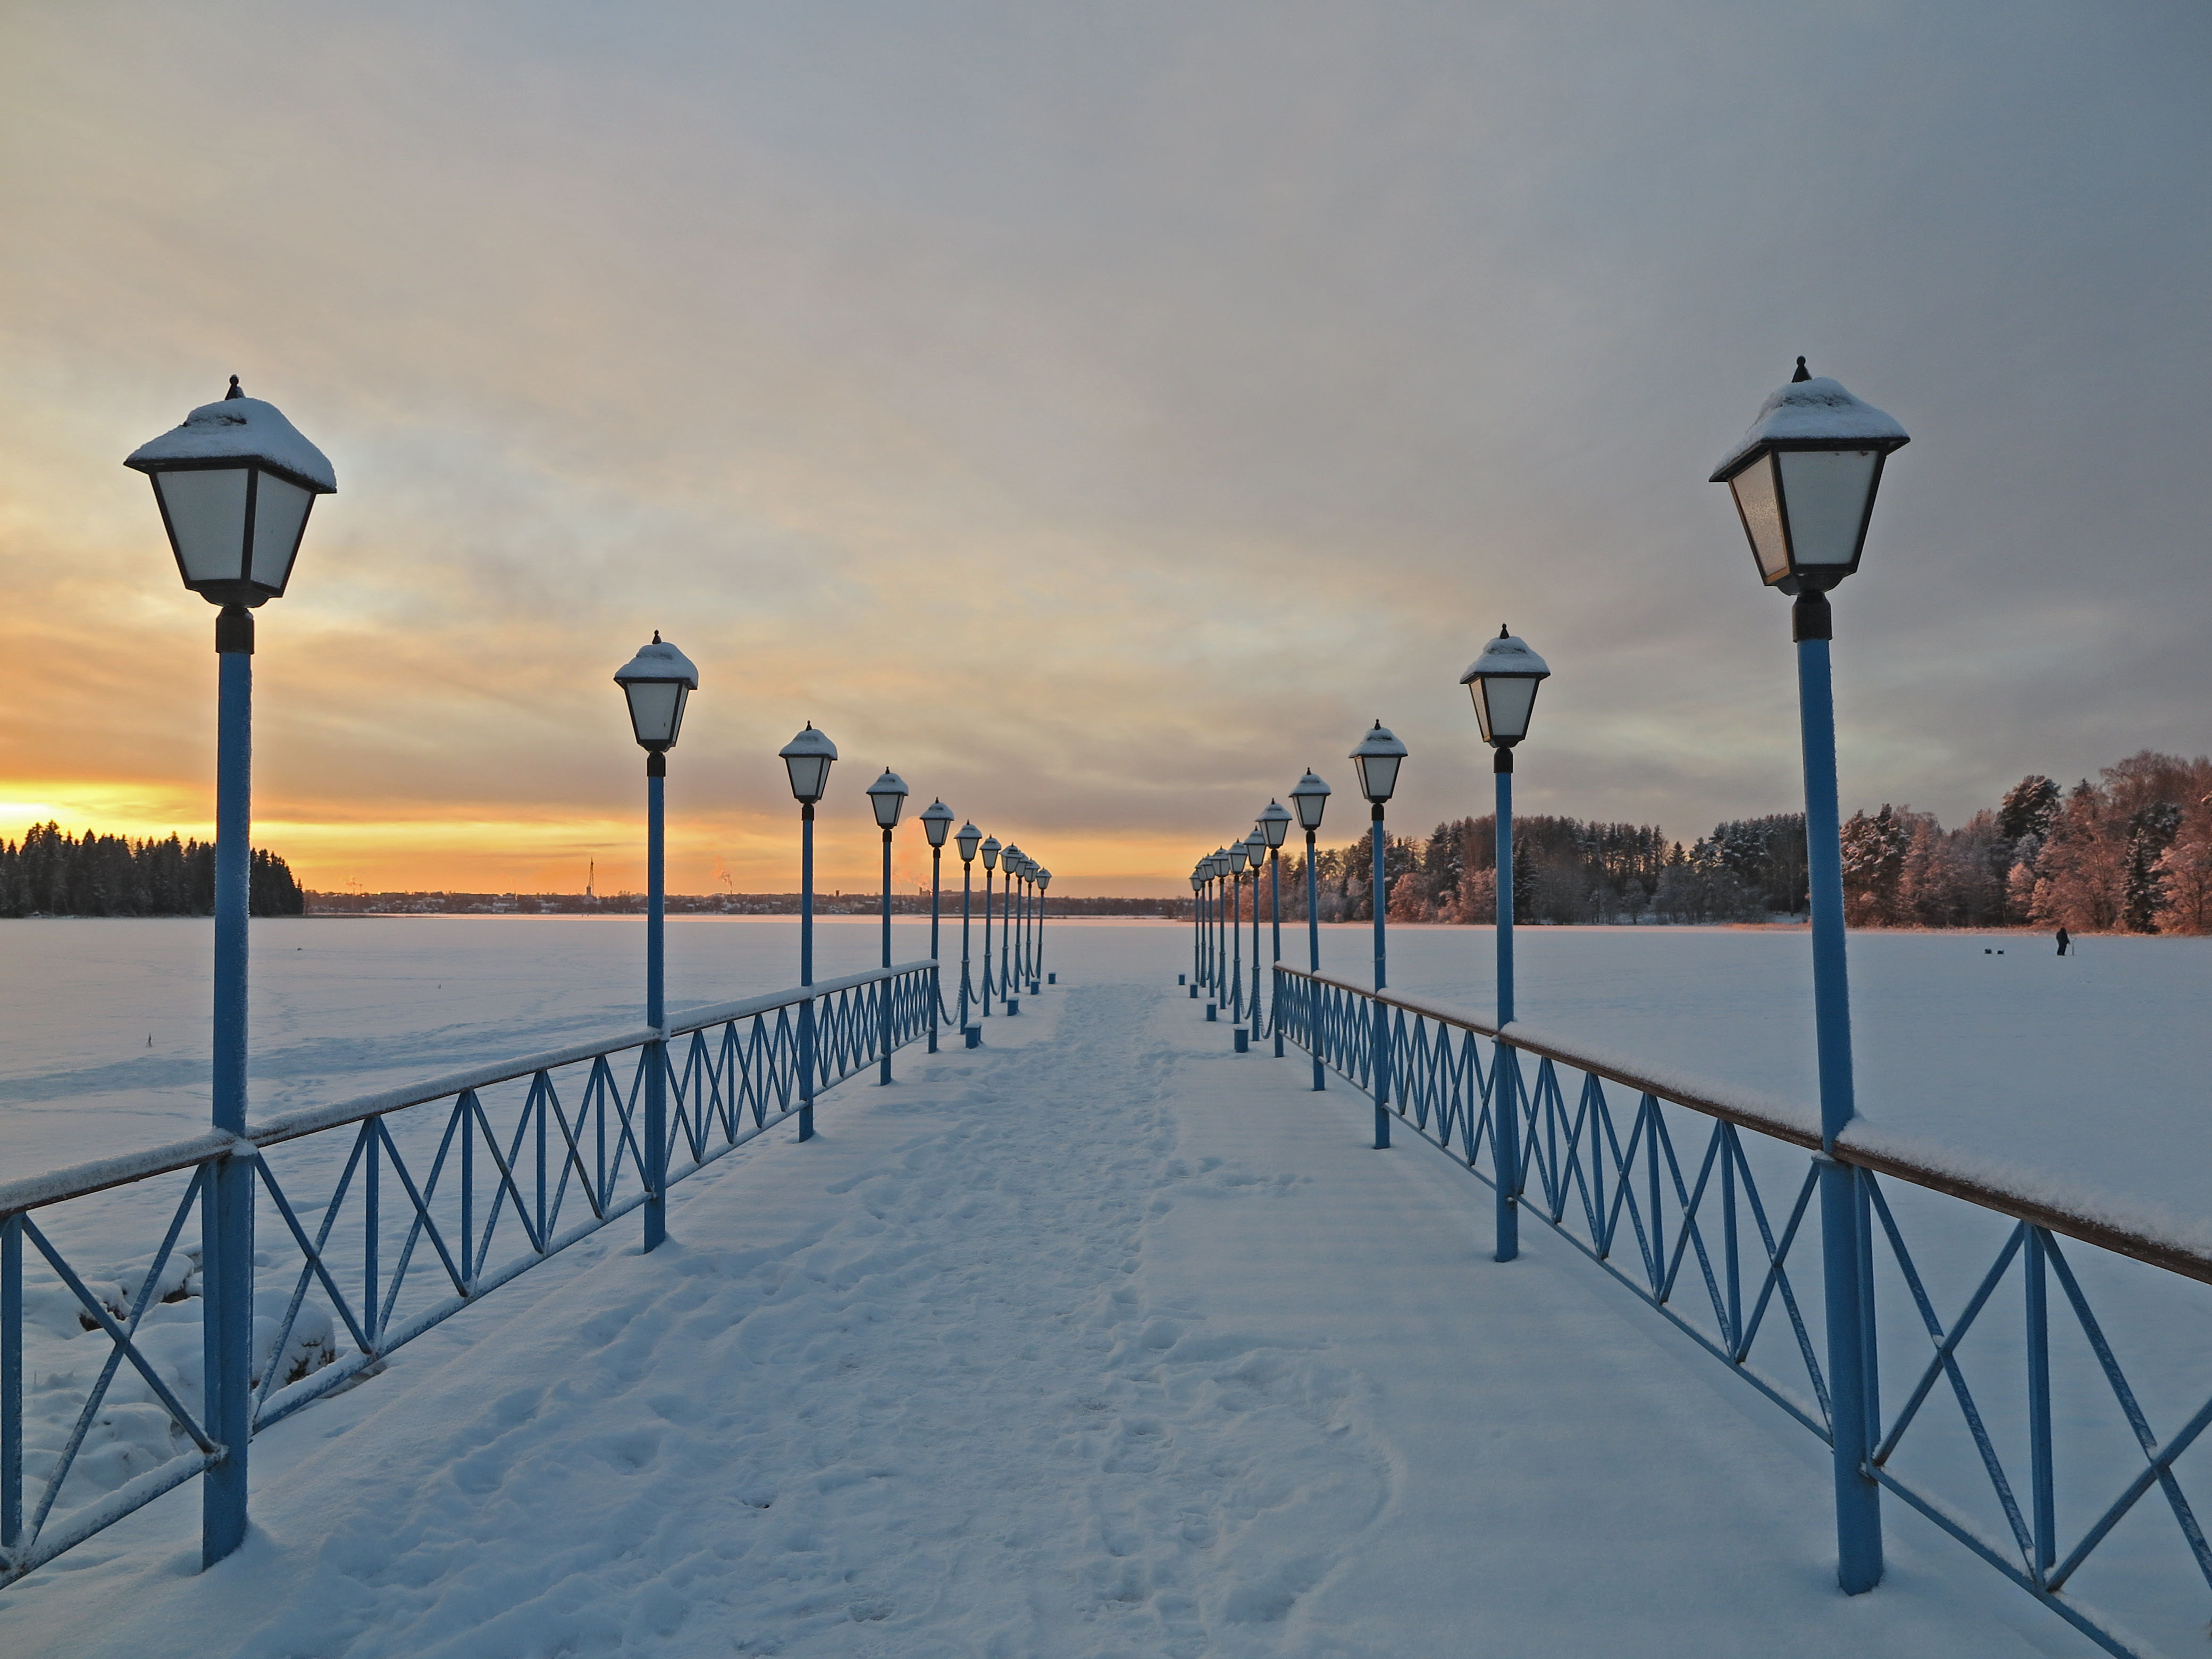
<point>1197,930</point>
<point>806,758</point>
<point>234,484</point>
<point>1009,985</point>
<point>1377,760</point>
<point>991,850</point>
<point>936,824</point>
<point>887,794</point>
<point>1017,919</point>
<point>969,835</point>
<point>1044,887</point>
<point>1274,824</point>
<point>1503,682</point>
<point>657,683</point>
<point>1217,947</point>
<point>1236,857</point>
<point>1310,797</point>
<point>1255,854</point>
<point>1804,479</point>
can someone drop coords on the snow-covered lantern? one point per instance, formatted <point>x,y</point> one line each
<point>1255,849</point>
<point>1043,879</point>
<point>1310,797</point>
<point>887,794</point>
<point>1804,480</point>
<point>806,757</point>
<point>1503,681</point>
<point>936,822</point>
<point>966,840</point>
<point>991,853</point>
<point>657,682</point>
<point>1275,822</point>
<point>235,483</point>
<point>1216,863</point>
<point>1236,856</point>
<point>1378,758</point>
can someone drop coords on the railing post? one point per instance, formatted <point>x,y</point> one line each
<point>1505,1065</point>
<point>2038,1404</point>
<point>1380,1071</point>
<point>1858,1497</point>
<point>226,1211</point>
<point>11,1383</point>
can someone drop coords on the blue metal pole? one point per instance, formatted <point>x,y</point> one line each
<point>227,1209</point>
<point>1382,1067</point>
<point>11,1382</point>
<point>883,986</point>
<point>1313,958</point>
<point>806,971</point>
<point>656,1052</point>
<point>1505,1064</point>
<point>967,888</point>
<point>987,873</point>
<point>1275,893</point>
<point>1237,945</point>
<point>936,879</point>
<point>1858,1497</point>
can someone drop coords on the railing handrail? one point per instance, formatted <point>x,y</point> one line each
<point>96,1174</point>
<point>1859,1143</point>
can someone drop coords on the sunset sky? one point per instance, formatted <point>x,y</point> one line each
<point>1098,413</point>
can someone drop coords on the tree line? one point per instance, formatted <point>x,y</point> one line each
<point>51,874</point>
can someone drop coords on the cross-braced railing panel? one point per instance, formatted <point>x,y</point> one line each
<point>373,1221</point>
<point>2016,1420</point>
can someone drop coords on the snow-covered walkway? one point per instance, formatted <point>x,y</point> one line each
<point>1100,1340</point>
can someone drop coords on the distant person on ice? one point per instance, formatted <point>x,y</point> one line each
<point>2062,941</point>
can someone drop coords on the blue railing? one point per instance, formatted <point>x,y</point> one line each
<point>1698,1203</point>
<point>381,1217</point>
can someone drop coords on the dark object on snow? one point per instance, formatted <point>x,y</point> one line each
<point>2063,941</point>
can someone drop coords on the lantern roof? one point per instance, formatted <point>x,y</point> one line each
<point>658,661</point>
<point>238,428</point>
<point>1506,657</point>
<point>1812,413</point>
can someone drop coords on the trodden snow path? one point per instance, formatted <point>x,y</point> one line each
<point>1100,1340</point>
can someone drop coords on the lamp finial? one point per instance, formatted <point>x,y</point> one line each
<point>1802,374</point>
<point>234,391</point>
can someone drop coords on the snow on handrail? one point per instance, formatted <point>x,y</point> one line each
<point>2089,1216</point>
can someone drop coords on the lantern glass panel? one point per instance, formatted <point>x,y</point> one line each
<point>1826,493</point>
<point>280,519</point>
<point>1309,808</point>
<point>656,709</point>
<point>809,774</point>
<point>1502,706</point>
<point>1378,775</point>
<point>206,510</point>
<point>1758,499</point>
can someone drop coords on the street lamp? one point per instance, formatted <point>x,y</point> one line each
<point>1236,856</point>
<point>1044,888</point>
<point>806,758</point>
<point>234,484</point>
<point>991,850</point>
<point>1503,683</point>
<point>1310,797</point>
<point>1010,982</point>
<point>1217,947</point>
<point>966,840</point>
<point>1804,479</point>
<point>1377,759</point>
<point>887,794</point>
<point>936,824</point>
<point>1255,854</point>
<point>657,683</point>
<point>1197,930</point>
<point>1274,824</point>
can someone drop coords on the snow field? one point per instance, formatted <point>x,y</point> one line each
<point>1099,1340</point>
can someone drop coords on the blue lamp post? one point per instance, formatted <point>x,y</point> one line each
<point>1310,798</point>
<point>1044,888</point>
<point>807,759</point>
<point>1255,854</point>
<point>657,683</point>
<point>991,850</point>
<point>1804,479</point>
<point>936,824</point>
<point>1503,682</point>
<point>1274,824</point>
<point>1235,922</point>
<point>234,484</point>
<point>887,794</point>
<point>1015,970</point>
<point>1010,981</point>
<point>1197,930</point>
<point>966,840</point>
<point>1377,760</point>
<point>1029,868</point>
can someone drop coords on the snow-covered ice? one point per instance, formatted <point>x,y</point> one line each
<point>1098,1340</point>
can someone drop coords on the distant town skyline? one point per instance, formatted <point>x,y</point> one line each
<point>1098,416</point>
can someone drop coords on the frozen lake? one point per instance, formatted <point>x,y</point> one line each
<point>2089,1067</point>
